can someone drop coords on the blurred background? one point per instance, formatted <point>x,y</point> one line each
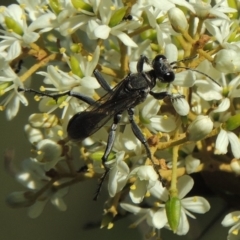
<point>83,216</point>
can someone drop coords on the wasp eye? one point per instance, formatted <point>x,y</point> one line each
<point>169,77</point>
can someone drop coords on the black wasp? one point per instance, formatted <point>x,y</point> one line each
<point>130,92</point>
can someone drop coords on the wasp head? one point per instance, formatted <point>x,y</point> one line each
<point>163,69</point>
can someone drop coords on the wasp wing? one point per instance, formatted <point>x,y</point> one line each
<point>86,123</point>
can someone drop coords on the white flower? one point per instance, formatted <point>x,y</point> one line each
<point>152,120</point>
<point>147,214</point>
<point>146,178</point>
<point>99,28</point>
<point>206,88</point>
<point>195,204</point>
<point>164,30</point>
<point>13,99</point>
<point>49,153</point>
<point>232,219</point>
<point>128,142</point>
<point>63,81</point>
<point>56,198</point>
<point>165,5</point>
<point>33,177</point>
<point>219,28</point>
<point>48,150</point>
<point>156,217</point>
<point>34,8</point>
<point>118,174</point>
<point>18,37</point>
<point>204,8</point>
<point>227,61</point>
<point>189,161</point>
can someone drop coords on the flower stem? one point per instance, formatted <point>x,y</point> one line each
<point>173,188</point>
<point>38,65</point>
<point>139,30</point>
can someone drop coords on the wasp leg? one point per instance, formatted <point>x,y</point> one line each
<point>111,138</point>
<point>102,81</point>
<point>160,95</point>
<point>139,135</point>
<point>143,59</point>
<point>18,67</point>
<point>56,96</point>
<point>84,98</point>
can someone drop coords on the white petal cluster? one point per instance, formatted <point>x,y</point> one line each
<point>157,218</point>
<point>146,178</point>
<point>172,117</point>
<point>232,220</point>
<point>33,177</point>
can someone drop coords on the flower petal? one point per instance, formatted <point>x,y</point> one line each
<point>102,31</point>
<point>221,143</point>
<point>235,144</point>
<point>124,38</point>
<point>191,164</point>
<point>185,184</point>
<point>196,204</point>
<point>159,219</point>
<point>36,209</point>
<point>183,226</point>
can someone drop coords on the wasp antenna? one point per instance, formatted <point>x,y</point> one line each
<point>183,60</point>
<point>194,70</point>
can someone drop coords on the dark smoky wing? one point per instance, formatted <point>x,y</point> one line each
<point>114,93</point>
<point>86,123</point>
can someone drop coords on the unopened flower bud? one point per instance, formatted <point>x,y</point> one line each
<point>56,6</point>
<point>177,20</point>
<point>76,67</point>
<point>117,17</point>
<point>199,128</point>
<point>81,5</point>
<point>173,210</point>
<point>11,24</point>
<point>227,61</point>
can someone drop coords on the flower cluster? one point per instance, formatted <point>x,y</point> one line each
<point>182,106</point>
